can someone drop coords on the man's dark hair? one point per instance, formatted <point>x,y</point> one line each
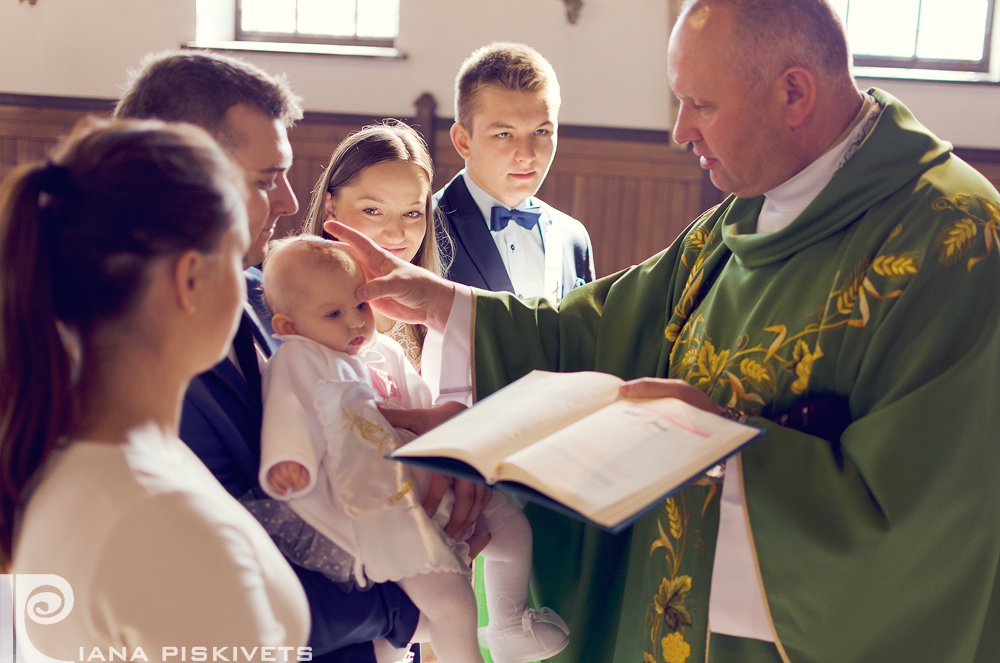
<point>200,87</point>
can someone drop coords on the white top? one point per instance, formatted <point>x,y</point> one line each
<point>155,553</point>
<point>522,250</point>
<point>320,411</point>
<point>785,202</point>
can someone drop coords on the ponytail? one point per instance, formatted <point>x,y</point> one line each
<point>35,390</point>
<point>77,238</point>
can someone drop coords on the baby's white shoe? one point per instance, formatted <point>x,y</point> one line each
<point>539,635</point>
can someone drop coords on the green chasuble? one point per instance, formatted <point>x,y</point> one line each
<point>882,546</point>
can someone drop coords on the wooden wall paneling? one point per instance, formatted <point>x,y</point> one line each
<point>615,226</point>
<point>313,143</point>
<point>447,162</point>
<point>645,222</point>
<point>629,225</point>
<point>632,191</point>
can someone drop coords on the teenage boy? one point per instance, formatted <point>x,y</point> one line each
<point>506,123</point>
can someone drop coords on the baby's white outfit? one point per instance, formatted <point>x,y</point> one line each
<point>320,411</point>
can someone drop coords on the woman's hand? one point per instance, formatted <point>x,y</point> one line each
<point>399,290</point>
<point>421,420</point>
<point>663,388</point>
<point>470,497</point>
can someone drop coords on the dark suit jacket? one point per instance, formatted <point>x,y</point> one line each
<point>220,421</point>
<point>476,261</point>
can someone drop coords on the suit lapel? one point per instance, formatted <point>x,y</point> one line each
<point>468,228</point>
<point>224,412</point>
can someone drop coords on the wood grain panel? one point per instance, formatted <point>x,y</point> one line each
<point>631,189</point>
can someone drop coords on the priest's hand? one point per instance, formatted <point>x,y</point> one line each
<point>663,388</point>
<point>398,289</point>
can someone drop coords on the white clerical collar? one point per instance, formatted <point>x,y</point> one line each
<point>786,201</point>
<point>485,202</point>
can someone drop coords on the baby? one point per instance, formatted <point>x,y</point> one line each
<point>322,448</point>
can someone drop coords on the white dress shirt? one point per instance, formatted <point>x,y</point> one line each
<point>522,250</point>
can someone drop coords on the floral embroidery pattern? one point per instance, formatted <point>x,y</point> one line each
<point>402,493</point>
<point>751,372</point>
<point>957,238</point>
<point>753,376</point>
<point>668,608</point>
<point>372,432</point>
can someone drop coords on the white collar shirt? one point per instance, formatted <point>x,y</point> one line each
<point>522,250</point>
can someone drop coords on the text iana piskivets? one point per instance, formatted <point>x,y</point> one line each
<point>201,654</point>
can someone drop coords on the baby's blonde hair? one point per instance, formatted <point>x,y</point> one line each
<point>290,259</point>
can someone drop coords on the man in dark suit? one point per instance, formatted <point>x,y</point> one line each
<point>249,112</point>
<point>504,237</point>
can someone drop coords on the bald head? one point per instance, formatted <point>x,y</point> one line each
<point>291,265</point>
<point>770,36</point>
<point>758,100</point>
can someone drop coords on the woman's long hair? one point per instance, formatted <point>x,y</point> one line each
<point>77,236</point>
<point>375,144</point>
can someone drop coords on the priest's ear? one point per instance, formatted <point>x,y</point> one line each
<point>283,324</point>
<point>797,89</point>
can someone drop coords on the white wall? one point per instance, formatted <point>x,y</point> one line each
<point>611,64</point>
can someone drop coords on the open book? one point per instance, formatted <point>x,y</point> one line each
<point>566,441</point>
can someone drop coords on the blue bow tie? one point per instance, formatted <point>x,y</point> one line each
<point>501,216</point>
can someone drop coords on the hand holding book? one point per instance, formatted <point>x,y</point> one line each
<point>568,441</point>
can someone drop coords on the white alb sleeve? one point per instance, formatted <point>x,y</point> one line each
<point>447,357</point>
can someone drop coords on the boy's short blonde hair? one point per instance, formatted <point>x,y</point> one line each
<point>292,258</point>
<point>508,66</point>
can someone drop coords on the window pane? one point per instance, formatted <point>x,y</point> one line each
<point>327,17</point>
<point>952,29</point>
<point>883,27</point>
<point>267,16</point>
<point>378,19</point>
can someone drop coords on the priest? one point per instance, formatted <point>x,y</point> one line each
<point>844,298</point>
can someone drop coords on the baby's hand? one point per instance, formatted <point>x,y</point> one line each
<point>287,476</point>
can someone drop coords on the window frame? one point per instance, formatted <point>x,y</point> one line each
<point>981,66</point>
<point>300,38</point>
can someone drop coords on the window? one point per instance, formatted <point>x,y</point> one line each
<point>941,35</point>
<point>348,22</point>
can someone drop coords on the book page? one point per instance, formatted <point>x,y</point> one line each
<point>614,462</point>
<point>518,415</point>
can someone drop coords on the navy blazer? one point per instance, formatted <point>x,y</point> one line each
<point>475,258</point>
<point>220,421</point>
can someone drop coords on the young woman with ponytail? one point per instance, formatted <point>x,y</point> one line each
<point>121,279</point>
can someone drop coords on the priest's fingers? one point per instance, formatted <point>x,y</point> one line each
<point>374,260</point>
<point>663,388</point>
<point>470,500</point>
<point>397,289</point>
<point>411,294</point>
<point>435,491</point>
<point>480,537</point>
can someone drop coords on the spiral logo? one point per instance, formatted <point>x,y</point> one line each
<point>46,607</point>
<point>45,599</point>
